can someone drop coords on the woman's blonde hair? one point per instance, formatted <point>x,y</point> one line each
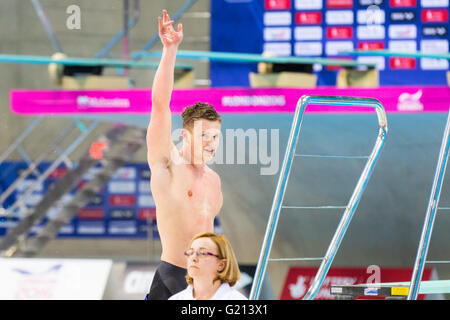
<point>230,273</point>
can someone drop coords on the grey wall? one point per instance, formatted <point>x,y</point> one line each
<point>21,32</point>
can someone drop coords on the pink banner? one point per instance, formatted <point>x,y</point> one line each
<point>228,100</point>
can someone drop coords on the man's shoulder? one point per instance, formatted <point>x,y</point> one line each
<point>213,173</point>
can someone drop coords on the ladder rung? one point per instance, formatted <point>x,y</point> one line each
<point>443,208</point>
<point>296,259</point>
<point>330,156</point>
<point>438,261</point>
<point>314,207</point>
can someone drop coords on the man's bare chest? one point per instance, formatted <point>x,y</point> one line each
<point>193,189</point>
<point>197,188</point>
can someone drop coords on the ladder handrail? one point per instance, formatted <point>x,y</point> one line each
<point>430,215</point>
<point>284,177</point>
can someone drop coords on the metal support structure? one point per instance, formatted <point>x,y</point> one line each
<point>20,139</point>
<point>48,28</point>
<point>52,167</point>
<point>283,181</point>
<point>175,18</point>
<point>111,162</point>
<point>130,24</point>
<point>430,215</point>
<point>125,40</point>
<point>34,164</point>
<point>16,241</point>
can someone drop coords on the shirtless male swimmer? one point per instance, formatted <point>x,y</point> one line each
<point>186,191</point>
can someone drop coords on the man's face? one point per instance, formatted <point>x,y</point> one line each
<point>203,138</point>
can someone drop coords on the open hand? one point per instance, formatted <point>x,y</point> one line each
<point>167,34</point>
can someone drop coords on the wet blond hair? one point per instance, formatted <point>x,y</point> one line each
<point>230,273</point>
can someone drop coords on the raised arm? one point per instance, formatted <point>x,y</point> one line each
<point>159,142</point>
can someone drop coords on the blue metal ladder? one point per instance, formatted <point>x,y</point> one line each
<point>430,216</point>
<point>350,209</point>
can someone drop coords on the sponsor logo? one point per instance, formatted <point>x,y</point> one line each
<point>402,63</point>
<point>144,187</point>
<point>145,174</point>
<point>438,31</point>
<point>253,101</point>
<point>23,185</point>
<point>434,64</point>
<point>339,17</point>
<point>370,32</point>
<point>434,46</point>
<point>371,16</point>
<point>366,3</point>
<point>34,284</point>
<point>122,200</point>
<point>434,15</point>
<point>370,291</point>
<point>146,201</point>
<point>308,48</point>
<point>371,45</point>
<point>277,34</point>
<point>125,173</point>
<point>91,214</point>
<point>403,45</point>
<point>308,17</point>
<point>58,173</point>
<point>308,4</point>
<point>122,227</point>
<point>278,48</point>
<point>85,102</point>
<point>277,4</point>
<point>277,18</point>
<point>97,200</point>
<point>298,289</point>
<point>91,227</point>
<point>403,31</point>
<point>33,199</point>
<point>147,213</point>
<point>122,187</point>
<point>434,3</point>
<point>333,47</point>
<point>121,214</point>
<point>25,272</point>
<point>339,3</point>
<point>402,16</point>
<point>308,33</point>
<point>402,3</point>
<point>410,101</point>
<point>339,32</point>
<point>379,61</point>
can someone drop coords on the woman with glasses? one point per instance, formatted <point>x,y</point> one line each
<point>212,270</point>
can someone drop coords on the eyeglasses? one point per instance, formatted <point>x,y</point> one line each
<point>199,253</point>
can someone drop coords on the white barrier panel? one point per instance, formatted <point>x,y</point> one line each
<point>53,279</point>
